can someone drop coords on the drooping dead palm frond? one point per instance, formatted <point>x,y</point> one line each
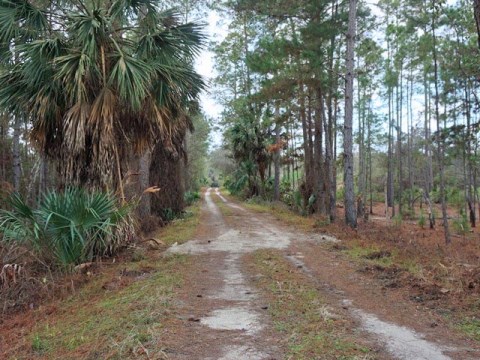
<point>98,81</point>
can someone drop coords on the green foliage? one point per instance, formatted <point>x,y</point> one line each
<point>191,197</point>
<point>341,194</point>
<point>397,220</point>
<point>461,225</point>
<point>197,149</point>
<point>455,197</point>
<point>471,327</point>
<point>72,227</point>
<point>168,214</point>
<point>238,182</point>
<point>422,220</point>
<point>39,345</point>
<point>98,79</point>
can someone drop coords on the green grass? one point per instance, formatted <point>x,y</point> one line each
<point>363,254</point>
<point>301,315</point>
<point>182,229</point>
<point>471,327</point>
<point>39,345</point>
<point>115,316</point>
<point>112,322</point>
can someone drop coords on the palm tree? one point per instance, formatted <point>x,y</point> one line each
<point>97,79</point>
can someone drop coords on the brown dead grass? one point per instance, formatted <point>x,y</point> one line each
<point>115,310</point>
<point>419,262</point>
<point>311,329</point>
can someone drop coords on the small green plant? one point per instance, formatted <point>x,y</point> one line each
<point>341,194</point>
<point>71,227</point>
<point>471,327</point>
<point>38,344</point>
<point>168,214</point>
<point>322,222</point>
<point>397,220</point>
<point>461,225</point>
<point>422,220</point>
<point>191,197</point>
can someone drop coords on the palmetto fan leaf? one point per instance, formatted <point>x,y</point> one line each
<point>97,81</point>
<point>20,19</point>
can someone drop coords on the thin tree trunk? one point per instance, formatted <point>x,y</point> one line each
<point>409,140</point>
<point>306,147</point>
<point>476,12</point>
<point>468,162</point>
<point>440,141</point>
<point>16,158</point>
<point>276,155</point>
<point>319,173</point>
<point>399,141</point>
<point>390,188</point>
<point>350,213</point>
<point>361,151</point>
<point>330,178</point>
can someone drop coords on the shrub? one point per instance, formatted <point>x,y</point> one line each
<point>168,215</point>
<point>397,220</point>
<point>421,219</point>
<point>72,227</point>
<point>461,225</point>
<point>191,197</point>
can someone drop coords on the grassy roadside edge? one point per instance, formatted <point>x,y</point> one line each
<point>372,255</point>
<point>311,329</point>
<point>121,310</point>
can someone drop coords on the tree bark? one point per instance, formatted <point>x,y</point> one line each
<point>350,213</point>
<point>16,159</point>
<point>144,208</point>
<point>440,140</point>
<point>318,144</point>
<point>276,155</point>
<point>476,12</point>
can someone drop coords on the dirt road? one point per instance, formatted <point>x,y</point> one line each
<point>227,317</point>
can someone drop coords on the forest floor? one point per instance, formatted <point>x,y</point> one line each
<point>249,281</point>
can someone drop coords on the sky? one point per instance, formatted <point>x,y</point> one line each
<point>216,31</point>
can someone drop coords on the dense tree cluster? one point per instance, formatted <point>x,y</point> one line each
<point>102,95</point>
<point>285,77</point>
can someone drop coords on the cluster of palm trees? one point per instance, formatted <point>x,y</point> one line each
<point>98,81</point>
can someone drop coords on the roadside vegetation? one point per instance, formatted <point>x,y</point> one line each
<point>309,326</point>
<point>403,258</point>
<point>98,105</point>
<point>115,309</point>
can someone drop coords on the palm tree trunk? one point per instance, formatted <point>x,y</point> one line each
<point>144,182</point>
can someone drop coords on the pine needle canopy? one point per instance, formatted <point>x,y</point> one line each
<point>97,79</point>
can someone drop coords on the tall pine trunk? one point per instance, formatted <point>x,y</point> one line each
<point>440,140</point>
<point>350,213</point>
<point>276,155</point>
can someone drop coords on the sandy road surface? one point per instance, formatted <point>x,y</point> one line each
<point>225,315</point>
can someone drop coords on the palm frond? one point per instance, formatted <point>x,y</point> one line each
<point>130,77</point>
<point>20,18</point>
<point>104,80</point>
